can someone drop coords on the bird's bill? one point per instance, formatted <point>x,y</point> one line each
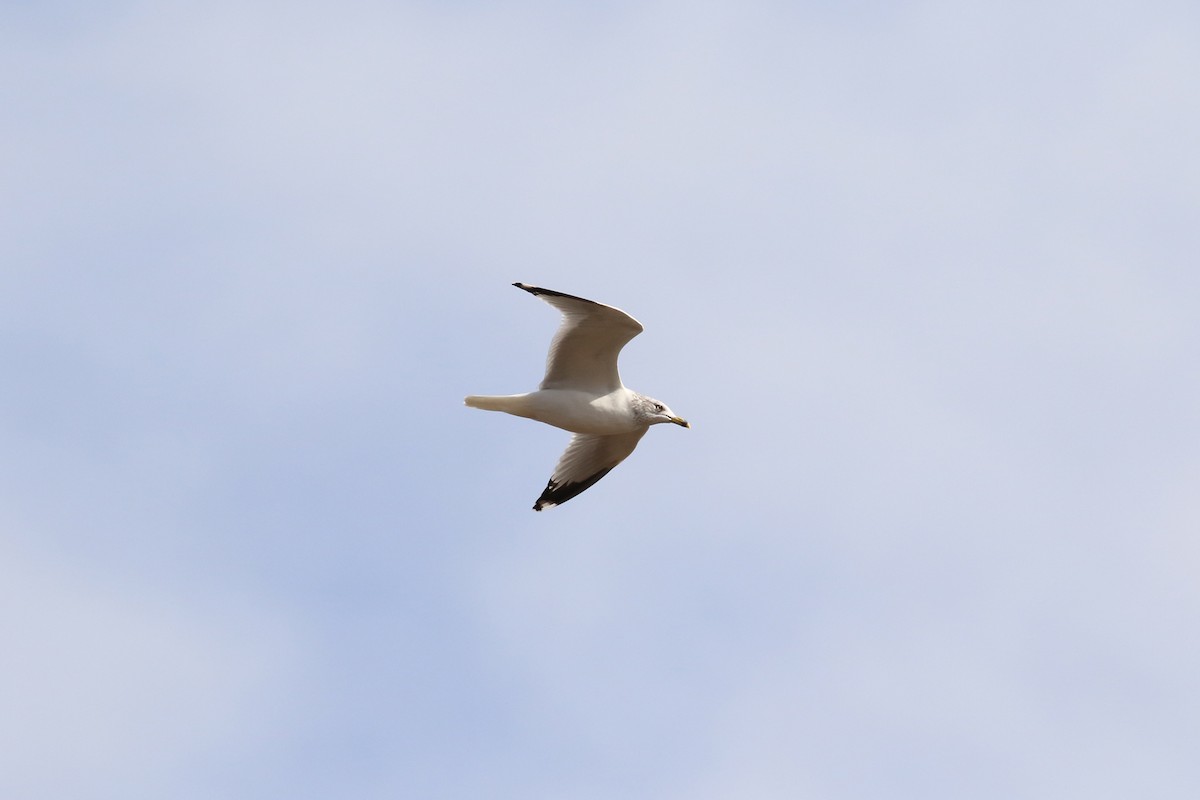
<point>680,421</point>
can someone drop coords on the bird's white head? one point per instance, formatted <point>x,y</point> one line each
<point>653,412</point>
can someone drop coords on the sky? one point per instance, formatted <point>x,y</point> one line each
<point>922,276</point>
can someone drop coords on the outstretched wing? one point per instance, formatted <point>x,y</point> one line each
<point>587,459</point>
<point>583,354</point>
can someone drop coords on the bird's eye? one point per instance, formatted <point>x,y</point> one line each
<point>659,406</point>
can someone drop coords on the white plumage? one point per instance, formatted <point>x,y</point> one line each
<point>582,393</point>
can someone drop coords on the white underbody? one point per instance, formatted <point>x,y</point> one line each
<point>571,410</point>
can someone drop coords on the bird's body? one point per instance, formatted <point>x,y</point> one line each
<point>569,409</point>
<point>582,393</point>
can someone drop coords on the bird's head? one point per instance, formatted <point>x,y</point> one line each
<point>654,412</point>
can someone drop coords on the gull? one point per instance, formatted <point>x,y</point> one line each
<point>582,393</point>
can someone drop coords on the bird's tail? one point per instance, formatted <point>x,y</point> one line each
<point>508,403</point>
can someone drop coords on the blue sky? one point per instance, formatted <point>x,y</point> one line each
<point>922,276</point>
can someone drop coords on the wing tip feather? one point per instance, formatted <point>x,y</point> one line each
<point>538,291</point>
<point>555,494</point>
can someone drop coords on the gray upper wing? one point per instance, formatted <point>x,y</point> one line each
<point>583,353</point>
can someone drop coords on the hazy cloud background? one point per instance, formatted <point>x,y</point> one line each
<point>922,275</point>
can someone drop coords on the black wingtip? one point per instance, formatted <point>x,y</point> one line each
<point>558,493</point>
<point>538,291</point>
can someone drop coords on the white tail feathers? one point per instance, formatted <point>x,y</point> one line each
<point>509,403</point>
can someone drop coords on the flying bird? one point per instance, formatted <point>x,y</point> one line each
<point>582,393</point>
